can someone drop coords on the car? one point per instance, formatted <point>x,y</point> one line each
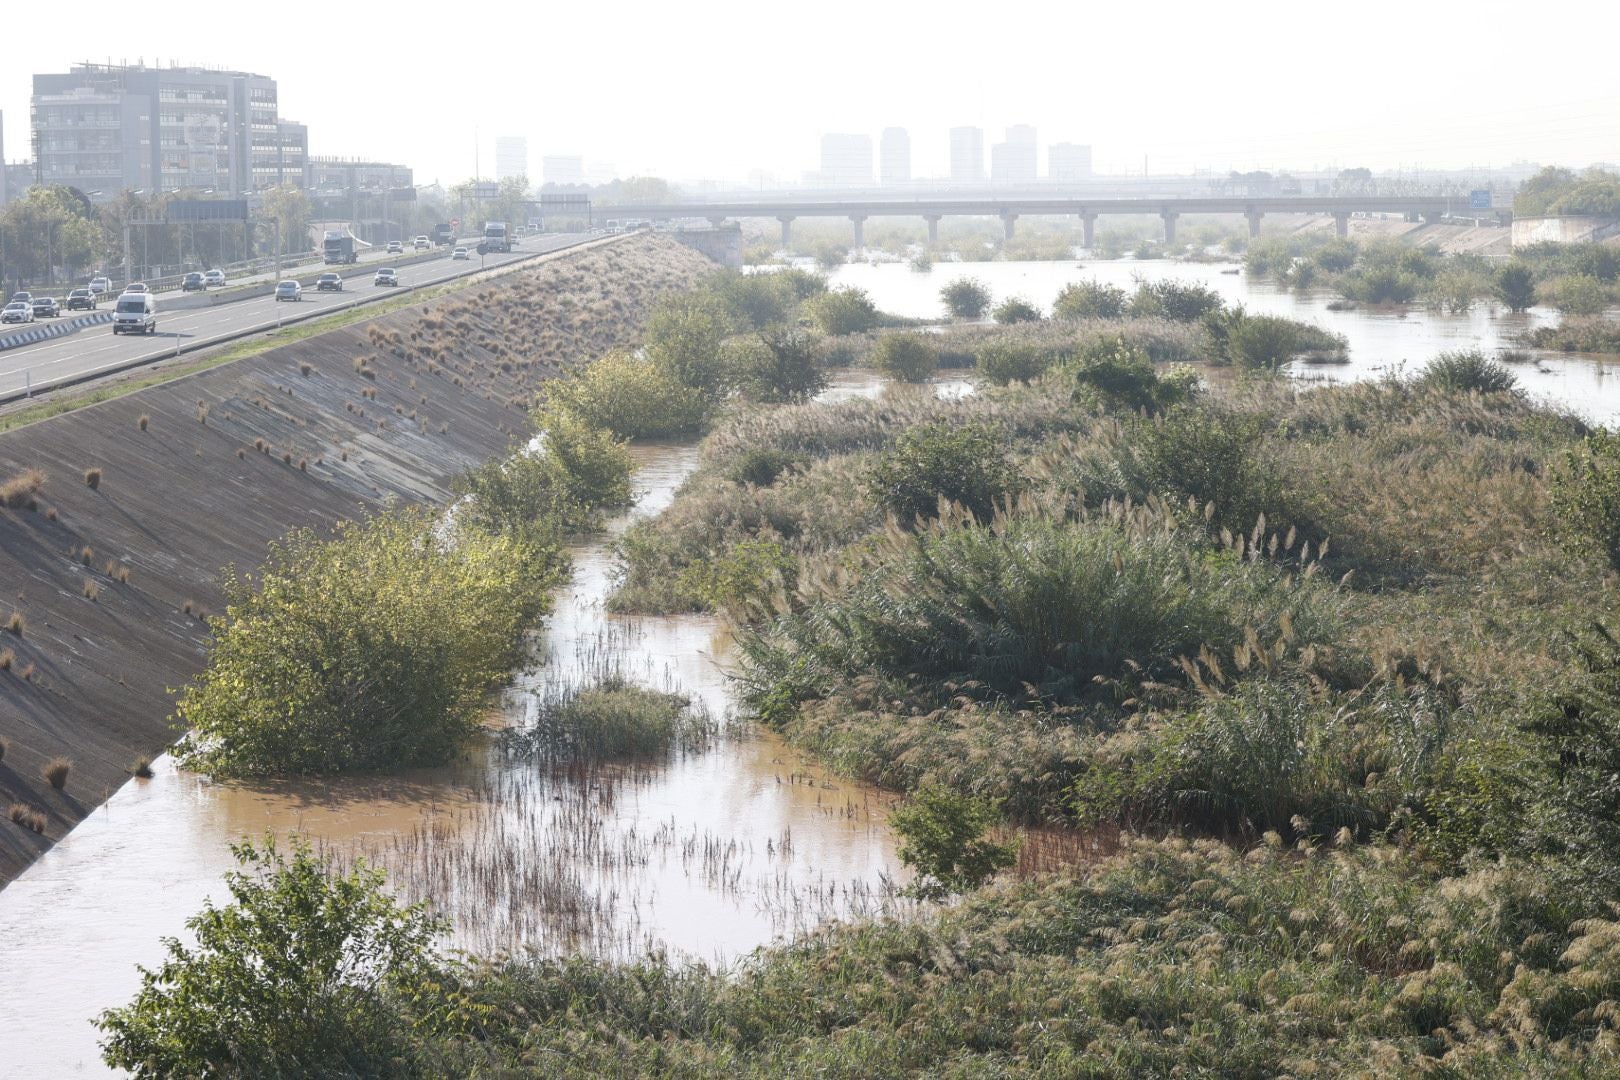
<point>386,276</point>
<point>17,311</point>
<point>328,283</point>
<point>289,290</point>
<point>421,243</point>
<point>214,279</point>
<point>21,297</point>
<point>136,313</point>
<point>82,299</point>
<point>192,282</point>
<point>395,248</point>
<point>47,307</point>
<point>100,285</point>
<point>136,287</point>
<point>459,253</point>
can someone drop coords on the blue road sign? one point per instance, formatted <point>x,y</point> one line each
<point>1479,199</point>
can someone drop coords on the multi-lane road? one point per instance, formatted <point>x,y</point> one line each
<point>93,350</point>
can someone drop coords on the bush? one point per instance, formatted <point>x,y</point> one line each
<point>964,464</point>
<point>683,337</point>
<point>574,472</point>
<point>1381,285</point>
<point>609,720</point>
<point>1089,300</point>
<point>908,358</point>
<point>778,366</point>
<point>942,838</point>
<point>842,311</point>
<point>1115,375</point>
<point>370,650</point>
<point>1261,342</point>
<point>1516,286</point>
<point>293,977</point>
<point>19,491</point>
<point>632,397</point>
<point>1006,362</point>
<point>1179,301</point>
<point>1015,309</point>
<point>1576,294</point>
<point>755,301</point>
<point>1585,497</point>
<point>965,298</point>
<point>1467,372</point>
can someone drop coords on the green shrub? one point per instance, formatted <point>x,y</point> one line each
<point>1179,301</point>
<point>633,397</point>
<point>1115,375</point>
<point>942,837</point>
<point>1381,285</point>
<point>683,337</point>
<point>747,574</point>
<point>831,256</point>
<point>574,472</point>
<point>1585,497</point>
<point>762,465</point>
<point>1261,342</point>
<point>1336,256</point>
<point>965,298</point>
<point>296,976</point>
<point>1006,362</point>
<point>964,464</point>
<point>610,720</point>
<point>908,358</point>
<point>1467,372</point>
<point>1089,300</point>
<point>755,301</point>
<point>1015,309</point>
<point>373,649</point>
<point>778,365</point>
<point>846,310</point>
<point>1576,294</point>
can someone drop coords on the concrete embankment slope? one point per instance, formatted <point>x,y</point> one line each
<point>204,471</point>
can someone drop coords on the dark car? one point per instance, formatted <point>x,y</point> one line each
<point>193,282</point>
<point>328,283</point>
<point>46,307</point>
<point>82,300</point>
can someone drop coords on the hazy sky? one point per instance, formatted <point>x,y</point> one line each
<point>718,89</point>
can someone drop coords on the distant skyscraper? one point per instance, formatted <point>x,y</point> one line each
<point>1068,161</point>
<point>1013,161</point>
<point>846,160</point>
<point>511,157</point>
<point>563,169</point>
<point>894,156</point>
<point>967,153</point>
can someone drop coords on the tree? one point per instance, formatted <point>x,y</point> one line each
<point>290,209</point>
<point>842,311</point>
<point>1015,309</point>
<point>964,464</point>
<point>907,357</point>
<point>1586,496</point>
<point>942,837</point>
<point>778,364</point>
<point>46,229</point>
<point>683,336</point>
<point>966,298</point>
<point>299,975</point>
<point>1089,300</point>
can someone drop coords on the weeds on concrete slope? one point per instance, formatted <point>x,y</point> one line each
<point>56,772</point>
<point>92,478</point>
<point>28,817</point>
<point>19,491</point>
<point>16,624</point>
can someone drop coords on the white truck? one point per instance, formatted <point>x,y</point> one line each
<point>496,238</point>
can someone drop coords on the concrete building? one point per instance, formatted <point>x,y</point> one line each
<point>109,127</point>
<point>967,154</point>
<point>1068,161</point>
<point>5,189</point>
<point>846,160</point>
<point>563,169</point>
<point>290,165</point>
<point>1014,159</point>
<point>330,175</point>
<point>511,157</point>
<point>894,156</point>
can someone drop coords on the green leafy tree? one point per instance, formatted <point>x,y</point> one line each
<point>1577,294</point>
<point>1116,376</point>
<point>778,365</point>
<point>1005,362</point>
<point>944,837</point>
<point>575,471</point>
<point>1516,286</point>
<point>964,464</point>
<point>842,311</point>
<point>965,298</point>
<point>45,230</point>
<point>634,397</point>
<point>1467,372</point>
<point>298,975</point>
<point>906,357</point>
<point>1089,300</point>
<point>683,336</point>
<point>1180,301</point>
<point>1015,309</point>
<point>291,211</point>
<point>1586,496</point>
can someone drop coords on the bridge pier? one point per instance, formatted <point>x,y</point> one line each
<point>1088,227</point>
<point>1169,217</point>
<point>859,221</point>
<point>933,229</point>
<point>1341,223</point>
<point>787,233</point>
<point>1007,222</point>
<point>1254,217</point>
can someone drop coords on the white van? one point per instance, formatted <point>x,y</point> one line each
<point>136,314</point>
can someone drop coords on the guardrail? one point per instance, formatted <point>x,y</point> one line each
<point>58,328</point>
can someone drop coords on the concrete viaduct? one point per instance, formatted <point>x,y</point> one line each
<point>1430,207</point>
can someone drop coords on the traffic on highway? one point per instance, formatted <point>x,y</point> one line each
<point>153,332</point>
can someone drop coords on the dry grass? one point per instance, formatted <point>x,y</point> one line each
<point>50,514</point>
<point>56,772</point>
<point>261,446</point>
<point>87,554</point>
<point>92,478</point>
<point>16,624</point>
<point>304,368</point>
<point>143,421</point>
<point>27,817</point>
<point>5,744</point>
<point>189,607</point>
<point>142,767</point>
<point>7,659</point>
<point>91,589</point>
<point>19,491</point>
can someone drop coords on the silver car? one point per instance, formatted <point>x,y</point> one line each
<point>17,311</point>
<point>289,290</point>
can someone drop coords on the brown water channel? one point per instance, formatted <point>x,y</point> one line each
<point>706,856</point>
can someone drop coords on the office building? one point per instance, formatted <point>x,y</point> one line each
<point>110,127</point>
<point>1014,159</point>
<point>894,156</point>
<point>967,154</point>
<point>511,157</point>
<point>290,163</point>
<point>1068,161</point>
<point>563,169</point>
<point>329,175</point>
<point>5,190</point>
<point>846,160</point>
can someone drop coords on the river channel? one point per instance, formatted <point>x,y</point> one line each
<point>704,857</point>
<point>1381,339</point>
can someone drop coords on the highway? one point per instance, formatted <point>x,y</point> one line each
<point>95,349</point>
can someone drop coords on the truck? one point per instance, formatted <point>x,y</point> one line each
<point>443,233</point>
<point>496,238</point>
<point>338,249</point>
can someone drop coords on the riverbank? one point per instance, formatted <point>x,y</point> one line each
<point>143,499</point>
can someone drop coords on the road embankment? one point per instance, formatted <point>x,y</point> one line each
<point>112,566</point>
